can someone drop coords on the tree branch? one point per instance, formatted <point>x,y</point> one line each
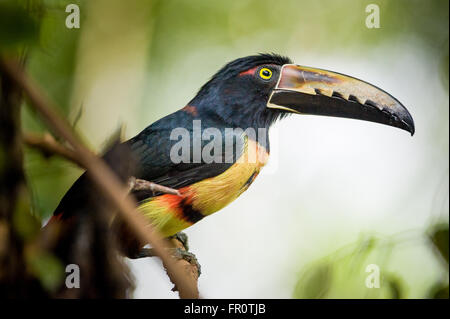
<point>103,177</point>
<point>136,184</point>
<point>49,146</point>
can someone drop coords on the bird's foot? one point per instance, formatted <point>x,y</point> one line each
<point>182,238</point>
<point>181,254</point>
<point>180,251</point>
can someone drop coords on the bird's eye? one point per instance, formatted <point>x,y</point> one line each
<point>265,73</point>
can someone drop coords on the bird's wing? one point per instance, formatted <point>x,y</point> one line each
<point>152,151</point>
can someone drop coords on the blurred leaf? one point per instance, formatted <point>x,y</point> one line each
<point>47,268</point>
<point>17,26</point>
<point>440,238</point>
<point>439,291</point>
<point>24,222</point>
<point>444,66</point>
<point>362,250</point>
<point>314,283</point>
<point>115,138</point>
<point>395,286</point>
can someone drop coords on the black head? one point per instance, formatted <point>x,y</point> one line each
<point>238,93</point>
<point>257,90</point>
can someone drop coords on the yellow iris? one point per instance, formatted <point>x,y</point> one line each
<point>265,73</point>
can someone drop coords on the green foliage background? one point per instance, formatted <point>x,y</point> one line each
<point>152,48</point>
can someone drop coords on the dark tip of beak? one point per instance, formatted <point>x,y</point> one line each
<point>397,116</point>
<point>337,106</point>
<point>405,121</point>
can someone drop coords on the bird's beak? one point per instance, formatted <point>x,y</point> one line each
<point>307,90</point>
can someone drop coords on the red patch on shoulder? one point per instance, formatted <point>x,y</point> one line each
<point>249,71</point>
<point>172,201</point>
<point>190,109</point>
<point>176,203</point>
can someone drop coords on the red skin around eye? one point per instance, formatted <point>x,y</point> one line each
<point>249,71</point>
<point>252,70</point>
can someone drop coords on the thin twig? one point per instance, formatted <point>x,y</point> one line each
<point>49,146</point>
<point>136,184</point>
<point>104,178</point>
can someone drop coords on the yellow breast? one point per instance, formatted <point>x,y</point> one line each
<point>212,194</point>
<point>168,212</point>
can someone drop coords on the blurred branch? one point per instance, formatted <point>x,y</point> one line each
<point>103,177</point>
<point>49,146</point>
<point>15,281</point>
<point>192,269</point>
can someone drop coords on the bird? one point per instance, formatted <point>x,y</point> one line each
<point>213,148</point>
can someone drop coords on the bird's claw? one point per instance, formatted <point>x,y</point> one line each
<point>183,251</point>
<point>182,238</point>
<point>180,253</point>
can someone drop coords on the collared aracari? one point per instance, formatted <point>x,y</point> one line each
<point>248,93</point>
